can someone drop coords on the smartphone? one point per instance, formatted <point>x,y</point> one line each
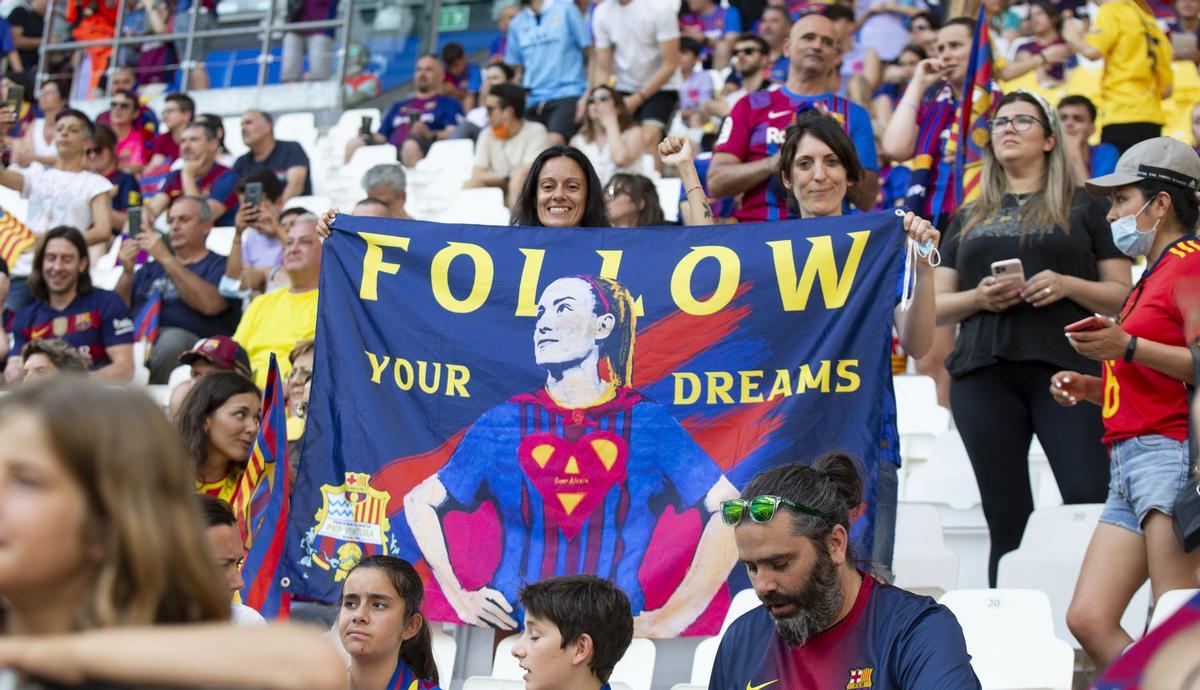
<point>254,193</point>
<point>1091,323</point>
<point>134,220</point>
<point>16,94</point>
<point>365,127</point>
<point>1009,269</point>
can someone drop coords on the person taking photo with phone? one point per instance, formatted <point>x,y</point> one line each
<point>1141,394</point>
<point>1030,209</point>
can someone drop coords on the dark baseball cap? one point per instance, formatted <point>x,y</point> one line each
<point>222,351</point>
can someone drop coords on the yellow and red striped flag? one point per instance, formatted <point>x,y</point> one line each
<point>15,237</point>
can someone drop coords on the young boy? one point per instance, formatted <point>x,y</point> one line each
<point>576,629</point>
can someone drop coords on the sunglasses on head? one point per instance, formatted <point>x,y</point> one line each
<point>762,509</point>
<point>95,151</point>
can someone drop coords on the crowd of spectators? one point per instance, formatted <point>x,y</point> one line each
<point>766,112</point>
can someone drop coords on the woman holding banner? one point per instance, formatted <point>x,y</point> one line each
<point>1031,255</point>
<point>818,163</point>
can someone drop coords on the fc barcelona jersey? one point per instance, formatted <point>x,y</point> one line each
<point>577,490</point>
<point>890,640</point>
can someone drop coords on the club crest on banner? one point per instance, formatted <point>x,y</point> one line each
<point>351,522</point>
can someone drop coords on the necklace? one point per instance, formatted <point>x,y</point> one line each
<point>1022,198</point>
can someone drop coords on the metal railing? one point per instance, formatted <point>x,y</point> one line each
<point>187,63</point>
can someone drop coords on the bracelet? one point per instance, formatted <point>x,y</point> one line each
<point>1130,348</point>
<point>904,102</point>
<point>697,188</point>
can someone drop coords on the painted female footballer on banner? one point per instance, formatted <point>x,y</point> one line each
<point>579,472</point>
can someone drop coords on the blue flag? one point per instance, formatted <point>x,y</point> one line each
<point>501,405</point>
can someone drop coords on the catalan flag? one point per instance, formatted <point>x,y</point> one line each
<point>265,514</point>
<point>145,326</point>
<point>975,113</point>
<point>15,238</point>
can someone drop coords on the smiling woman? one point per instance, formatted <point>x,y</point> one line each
<point>562,191</point>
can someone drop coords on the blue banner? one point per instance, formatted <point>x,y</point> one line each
<point>503,404</point>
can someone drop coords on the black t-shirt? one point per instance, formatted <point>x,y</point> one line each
<point>32,24</point>
<point>1025,333</point>
<point>286,154</point>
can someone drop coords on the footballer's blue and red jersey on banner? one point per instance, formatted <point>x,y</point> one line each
<point>756,128</point>
<point>474,431</point>
<point>890,640</point>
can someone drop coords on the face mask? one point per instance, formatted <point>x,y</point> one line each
<point>500,131</point>
<point>1131,241</point>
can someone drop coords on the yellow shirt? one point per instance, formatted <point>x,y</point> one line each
<point>274,323</point>
<point>223,488</point>
<point>1137,63</point>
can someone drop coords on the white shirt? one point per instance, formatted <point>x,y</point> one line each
<point>503,155</point>
<point>57,197</point>
<point>634,31</point>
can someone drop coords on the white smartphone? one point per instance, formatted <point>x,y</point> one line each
<point>1009,269</point>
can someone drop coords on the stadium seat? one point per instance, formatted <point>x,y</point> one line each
<point>948,483</point>
<point>921,561</point>
<point>315,203</point>
<point>743,602</point>
<point>491,683</point>
<point>220,240</point>
<point>668,196</point>
<point>366,158</point>
<point>1171,601</point>
<point>919,418</point>
<point>450,158</point>
<point>1010,636</point>
<point>161,395</point>
<point>1049,559</point>
<point>233,136</point>
<point>351,120</point>
<point>704,658</point>
<point>445,649</point>
<point>179,374</point>
<point>689,686</point>
<point>298,127</point>
<point>483,206</point>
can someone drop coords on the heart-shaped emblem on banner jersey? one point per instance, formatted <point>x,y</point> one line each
<point>573,478</point>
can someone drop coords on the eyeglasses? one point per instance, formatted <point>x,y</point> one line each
<point>762,509</point>
<point>1021,123</point>
<point>601,98</point>
<point>752,50</point>
<point>613,192</point>
<point>115,105</point>
<point>921,27</point>
<point>96,151</point>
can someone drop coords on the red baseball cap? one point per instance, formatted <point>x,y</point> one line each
<point>222,351</point>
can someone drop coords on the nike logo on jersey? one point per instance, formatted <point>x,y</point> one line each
<point>760,687</point>
<point>772,114</point>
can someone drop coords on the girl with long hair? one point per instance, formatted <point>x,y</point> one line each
<point>632,201</point>
<point>609,137</point>
<point>382,629</point>
<point>105,571</point>
<point>219,421</point>
<point>1010,341</point>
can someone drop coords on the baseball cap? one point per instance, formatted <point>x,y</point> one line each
<point>222,351</point>
<point>1164,159</point>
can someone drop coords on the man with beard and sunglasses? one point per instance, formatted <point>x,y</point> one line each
<point>824,623</point>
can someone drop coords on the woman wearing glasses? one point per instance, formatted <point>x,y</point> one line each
<point>1030,255</point>
<point>609,137</point>
<point>131,143</point>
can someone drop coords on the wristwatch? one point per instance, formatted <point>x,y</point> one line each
<point>1130,348</point>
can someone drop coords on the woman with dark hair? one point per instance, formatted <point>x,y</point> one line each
<point>632,201</point>
<point>562,191</point>
<point>37,145</point>
<point>219,421</point>
<point>818,163</point>
<point>1142,393</point>
<point>106,574</point>
<point>1045,22</point>
<point>102,160</point>
<point>609,137</point>
<point>382,629</point>
<point>131,142</point>
<point>1055,264</point>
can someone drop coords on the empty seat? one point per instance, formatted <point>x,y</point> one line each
<point>220,240</point>
<point>451,159</point>
<point>299,127</point>
<point>1010,637</point>
<point>919,418</point>
<point>922,562</point>
<point>1050,557</point>
<point>445,649</point>
<point>483,206</point>
<point>947,478</point>
<point>233,136</point>
<point>668,189</point>
<point>1170,602</point>
<point>315,203</point>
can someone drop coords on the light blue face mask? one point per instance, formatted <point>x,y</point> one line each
<point>1131,241</point>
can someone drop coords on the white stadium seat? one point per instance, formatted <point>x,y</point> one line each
<point>1010,637</point>
<point>298,127</point>
<point>921,561</point>
<point>445,649</point>
<point>315,203</point>
<point>1049,560</point>
<point>668,189</point>
<point>220,240</point>
<point>451,158</point>
<point>919,418</point>
<point>1171,601</point>
<point>482,206</point>
<point>233,136</point>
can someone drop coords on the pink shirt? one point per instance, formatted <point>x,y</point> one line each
<point>132,148</point>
